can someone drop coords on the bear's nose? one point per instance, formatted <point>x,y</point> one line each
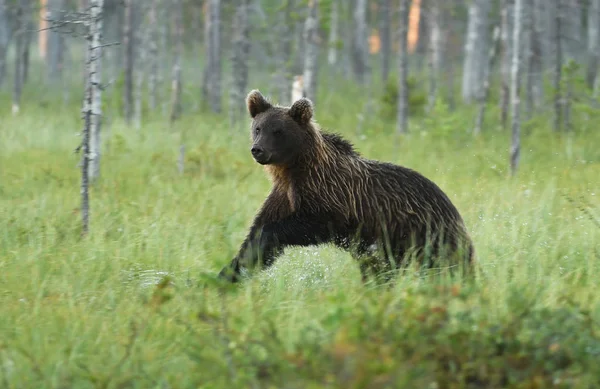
<point>257,151</point>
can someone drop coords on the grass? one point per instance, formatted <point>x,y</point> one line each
<point>130,306</point>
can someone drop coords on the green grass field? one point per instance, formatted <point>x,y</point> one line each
<point>132,306</point>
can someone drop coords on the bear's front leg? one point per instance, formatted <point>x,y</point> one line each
<point>265,243</point>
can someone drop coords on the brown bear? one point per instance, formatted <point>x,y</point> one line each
<point>326,192</point>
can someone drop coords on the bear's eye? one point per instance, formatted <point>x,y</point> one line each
<point>278,131</point>
<point>256,130</point>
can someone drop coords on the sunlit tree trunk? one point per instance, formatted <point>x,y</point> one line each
<point>515,148</point>
<point>535,80</point>
<point>176,79</point>
<point>402,118</point>
<point>311,51</point>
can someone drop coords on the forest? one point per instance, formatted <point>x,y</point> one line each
<point>127,183</point>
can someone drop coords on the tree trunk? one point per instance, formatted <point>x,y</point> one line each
<point>153,54</point>
<point>239,60</point>
<point>475,49</point>
<point>56,42</point>
<point>435,51</point>
<point>506,14</point>
<point>402,118</point>
<point>4,39</point>
<point>92,109</point>
<point>360,48</point>
<point>128,41</point>
<point>177,54</point>
<point>483,97</point>
<point>515,149</point>
<point>141,39</point>
<point>386,38</point>
<point>283,53</point>
<point>311,51</point>
<point>535,79</point>
<point>176,81</point>
<point>21,11</point>
<point>593,42</point>
<point>211,87</point>
<point>332,52</point>
<point>558,62</point>
<point>572,30</point>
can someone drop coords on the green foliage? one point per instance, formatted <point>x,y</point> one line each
<point>136,303</point>
<point>417,98</point>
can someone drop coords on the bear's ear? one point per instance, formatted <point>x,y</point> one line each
<point>302,111</point>
<point>256,103</point>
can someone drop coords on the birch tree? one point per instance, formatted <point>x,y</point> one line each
<point>475,45</point>
<point>506,28</point>
<point>239,59</point>
<point>332,50</point>
<point>593,42</point>
<point>128,42</point>
<point>92,106</point>
<point>515,148</point>
<point>435,51</point>
<point>558,62</point>
<point>386,37</point>
<point>311,50</point>
<point>176,78</point>
<point>360,48</point>
<point>211,86</point>
<point>21,16</point>
<point>485,90</point>
<point>4,38</point>
<point>283,52</point>
<point>535,79</point>
<point>402,118</point>
<point>153,57</point>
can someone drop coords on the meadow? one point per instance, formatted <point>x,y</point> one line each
<point>133,304</point>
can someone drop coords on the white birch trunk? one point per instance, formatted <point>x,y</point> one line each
<point>558,62</point>
<point>178,54</point>
<point>402,118</point>
<point>515,148</point>
<point>332,53</point>
<point>141,40</point>
<point>21,25</point>
<point>153,57</point>
<point>593,42</point>
<point>128,41</point>
<point>92,109</point>
<point>506,16</point>
<point>311,51</point>
<point>435,51</point>
<point>4,39</point>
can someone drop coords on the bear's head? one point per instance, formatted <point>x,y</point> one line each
<point>279,134</point>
